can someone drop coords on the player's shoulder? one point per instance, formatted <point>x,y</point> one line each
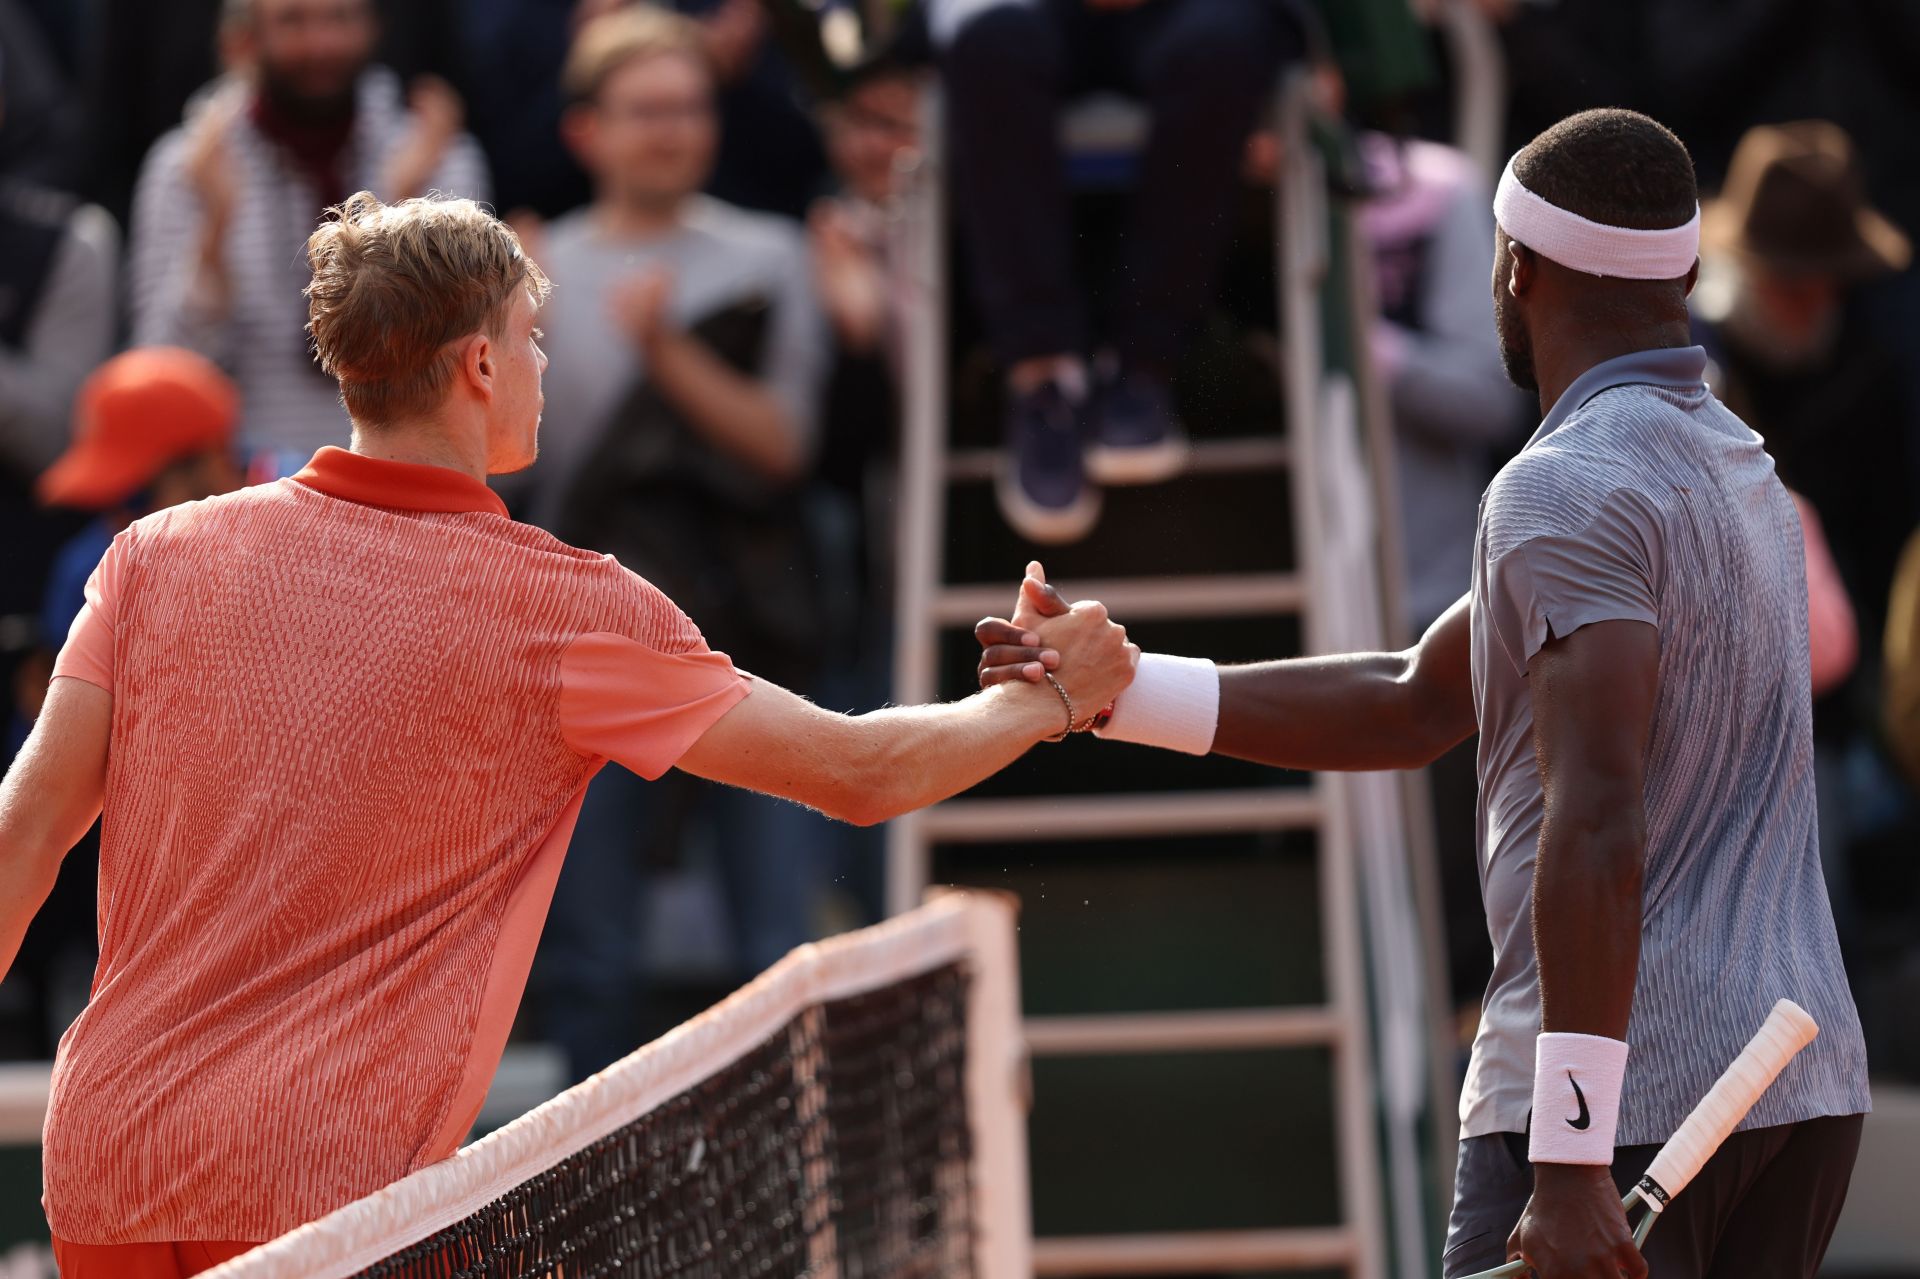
<point>227,509</point>
<point>1559,488</point>
<point>599,593</point>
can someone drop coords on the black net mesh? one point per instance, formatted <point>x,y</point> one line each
<point>838,1147</point>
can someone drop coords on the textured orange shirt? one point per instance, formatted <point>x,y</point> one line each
<point>354,714</point>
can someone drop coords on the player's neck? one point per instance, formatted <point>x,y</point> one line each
<point>1559,363</point>
<point>424,443</point>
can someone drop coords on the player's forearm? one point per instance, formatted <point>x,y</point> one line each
<point>908,757</point>
<point>48,799</point>
<point>1587,913</point>
<point>27,874</point>
<point>1356,711</point>
<point>734,412</point>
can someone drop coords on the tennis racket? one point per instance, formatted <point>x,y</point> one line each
<point>1788,1030</point>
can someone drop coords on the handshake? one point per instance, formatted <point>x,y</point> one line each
<point>1073,648</point>
<point>1170,702</point>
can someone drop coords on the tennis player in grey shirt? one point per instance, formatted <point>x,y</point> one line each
<point>1633,654</point>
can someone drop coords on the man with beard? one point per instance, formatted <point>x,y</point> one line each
<point>1634,656</point>
<point>226,200</point>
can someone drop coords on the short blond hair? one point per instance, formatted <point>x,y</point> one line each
<point>626,35</point>
<point>395,285</point>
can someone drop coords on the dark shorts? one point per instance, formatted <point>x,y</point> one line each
<point>1765,1204</point>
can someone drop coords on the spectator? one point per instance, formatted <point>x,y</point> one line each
<point>1833,637</point>
<point>56,322</point>
<point>56,315</point>
<point>875,123</point>
<point>869,130</point>
<point>1205,67</point>
<point>153,428</point>
<point>226,200</point>
<point>1430,230</point>
<point>1788,240</point>
<point>688,358</point>
<point>517,48</point>
<point>145,62</point>
<point>1784,247</point>
<point>769,156</point>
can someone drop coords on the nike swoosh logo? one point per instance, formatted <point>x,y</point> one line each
<point>1580,1122</point>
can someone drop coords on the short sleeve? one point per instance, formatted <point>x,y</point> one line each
<point>1552,585</point>
<point>639,706</point>
<point>88,652</point>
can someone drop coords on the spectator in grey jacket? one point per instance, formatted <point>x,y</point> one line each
<point>688,356</point>
<point>1430,228</point>
<point>56,316</point>
<point>226,201</point>
<point>56,323</point>
<point>1434,344</point>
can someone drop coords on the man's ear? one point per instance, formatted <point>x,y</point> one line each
<point>1693,277</point>
<point>479,363</point>
<point>1522,270</point>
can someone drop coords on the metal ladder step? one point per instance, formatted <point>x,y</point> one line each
<point>1222,595</point>
<point>1208,457</point>
<point>1195,1252</point>
<point>1093,816</point>
<point>1222,1030</point>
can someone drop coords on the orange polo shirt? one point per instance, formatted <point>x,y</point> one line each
<point>354,716</point>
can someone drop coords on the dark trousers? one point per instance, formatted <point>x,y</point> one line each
<point>1765,1204</point>
<point>1204,68</point>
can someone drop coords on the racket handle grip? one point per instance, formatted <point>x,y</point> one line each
<point>1787,1031</point>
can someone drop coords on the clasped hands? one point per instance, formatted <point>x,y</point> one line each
<point>1074,647</point>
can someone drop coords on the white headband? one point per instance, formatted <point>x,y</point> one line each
<point>1593,247</point>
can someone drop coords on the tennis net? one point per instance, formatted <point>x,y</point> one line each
<point>855,1111</point>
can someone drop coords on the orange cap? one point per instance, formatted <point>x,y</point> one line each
<point>139,413</point>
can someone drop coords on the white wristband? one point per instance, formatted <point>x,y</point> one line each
<point>1173,703</point>
<point>1576,1098</point>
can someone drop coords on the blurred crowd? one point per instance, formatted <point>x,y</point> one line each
<point>714,189</point>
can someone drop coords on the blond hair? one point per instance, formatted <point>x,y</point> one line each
<point>626,35</point>
<point>396,285</point>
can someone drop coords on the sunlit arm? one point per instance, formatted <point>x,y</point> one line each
<point>48,800</point>
<point>1355,710</point>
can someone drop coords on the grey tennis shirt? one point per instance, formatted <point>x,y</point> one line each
<point>1642,497</point>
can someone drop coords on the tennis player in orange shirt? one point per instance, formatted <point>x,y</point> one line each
<point>340,726</point>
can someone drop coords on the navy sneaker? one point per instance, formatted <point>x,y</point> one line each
<point>1136,439</point>
<point>1042,482</point>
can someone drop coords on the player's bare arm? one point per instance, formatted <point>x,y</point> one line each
<point>1593,695</point>
<point>48,799</point>
<point>868,768</point>
<point>1352,711</point>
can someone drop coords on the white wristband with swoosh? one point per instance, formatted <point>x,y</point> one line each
<point>1576,1098</point>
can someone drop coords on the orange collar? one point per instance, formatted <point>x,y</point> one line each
<point>400,486</point>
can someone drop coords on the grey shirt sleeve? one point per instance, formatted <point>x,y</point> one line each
<point>1554,583</point>
<point>71,333</point>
